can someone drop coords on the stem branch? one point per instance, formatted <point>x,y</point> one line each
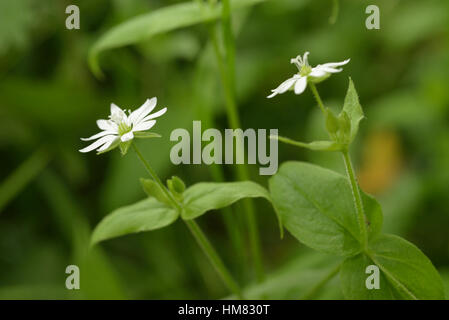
<point>197,233</point>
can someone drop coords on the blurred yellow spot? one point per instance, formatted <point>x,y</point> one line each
<point>381,162</point>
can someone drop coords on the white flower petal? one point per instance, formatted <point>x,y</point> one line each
<point>137,115</point>
<point>335,64</point>
<point>106,125</point>
<point>115,109</point>
<point>97,143</point>
<point>284,86</point>
<point>144,125</point>
<point>108,144</point>
<point>272,95</point>
<point>317,72</point>
<point>301,85</point>
<point>99,135</point>
<point>127,136</point>
<point>331,70</point>
<point>154,115</point>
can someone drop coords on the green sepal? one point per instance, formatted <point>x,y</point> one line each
<point>332,123</point>
<point>153,189</point>
<point>176,187</point>
<point>345,127</point>
<point>124,146</point>
<point>145,135</point>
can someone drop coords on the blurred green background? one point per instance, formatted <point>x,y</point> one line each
<point>51,196</point>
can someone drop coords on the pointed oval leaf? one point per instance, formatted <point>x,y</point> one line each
<point>405,272</point>
<point>316,206</point>
<point>206,196</point>
<point>157,22</point>
<point>353,109</point>
<point>145,215</point>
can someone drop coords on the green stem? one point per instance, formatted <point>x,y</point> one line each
<point>317,96</point>
<point>24,174</point>
<point>361,218</point>
<point>213,257</point>
<point>312,293</point>
<point>227,74</point>
<point>155,177</point>
<point>357,198</point>
<point>198,234</point>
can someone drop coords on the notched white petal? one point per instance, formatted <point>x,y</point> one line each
<point>108,144</point>
<point>154,115</point>
<point>284,86</point>
<point>144,125</point>
<point>301,85</point>
<point>335,64</point>
<point>137,115</point>
<point>317,72</point>
<point>99,135</point>
<point>97,144</point>
<point>127,136</point>
<point>332,70</point>
<point>115,109</point>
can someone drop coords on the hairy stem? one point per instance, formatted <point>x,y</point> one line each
<point>196,231</point>
<point>357,198</point>
<point>317,96</point>
<point>361,219</point>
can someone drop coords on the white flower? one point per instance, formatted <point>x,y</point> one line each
<point>306,73</point>
<point>120,128</point>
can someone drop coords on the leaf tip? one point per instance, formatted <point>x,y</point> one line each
<point>94,65</point>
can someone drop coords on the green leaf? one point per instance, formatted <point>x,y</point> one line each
<point>145,215</point>
<point>145,134</point>
<point>153,189</point>
<point>316,207</point>
<point>166,19</point>
<point>353,109</point>
<point>315,145</point>
<point>405,272</point>
<point>206,196</point>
